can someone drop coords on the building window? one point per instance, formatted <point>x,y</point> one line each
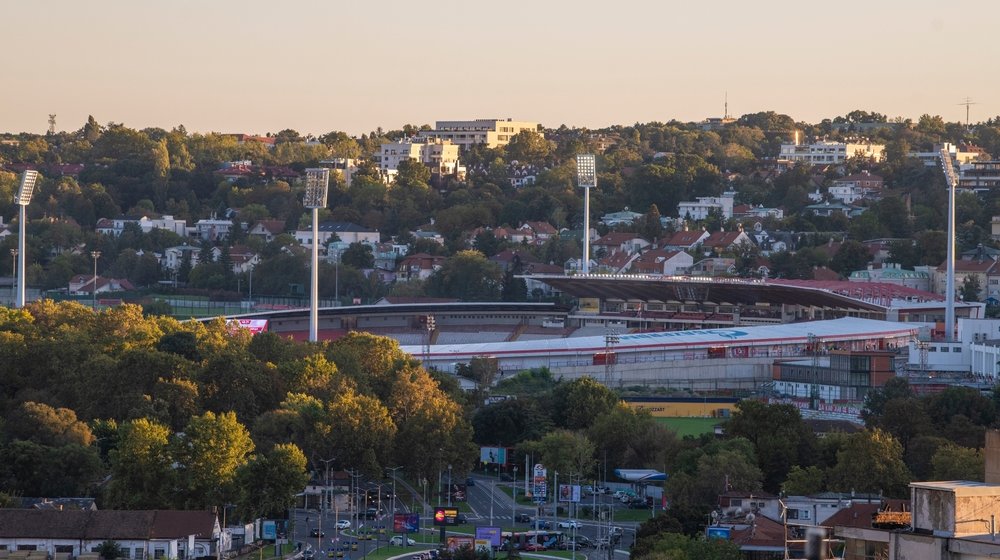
<point>159,553</point>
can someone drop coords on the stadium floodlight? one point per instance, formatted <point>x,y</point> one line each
<point>22,199</point>
<point>586,178</point>
<point>586,171</point>
<point>317,186</point>
<point>951,178</point>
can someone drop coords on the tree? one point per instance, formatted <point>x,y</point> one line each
<point>268,483</point>
<point>953,462</point>
<point>208,454</point>
<point>780,438</point>
<point>970,288</point>
<point>109,550</point>
<point>45,425</point>
<point>851,256</point>
<point>358,255</point>
<point>803,481</point>
<point>142,477</point>
<point>510,422</point>
<point>529,146</point>
<point>564,452</point>
<point>871,461</point>
<point>576,404</point>
<point>468,276</point>
<point>675,546</point>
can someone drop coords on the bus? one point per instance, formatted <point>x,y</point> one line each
<point>523,540</point>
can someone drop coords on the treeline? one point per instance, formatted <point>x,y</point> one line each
<point>149,412</point>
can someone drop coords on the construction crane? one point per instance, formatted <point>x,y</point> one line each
<point>951,178</point>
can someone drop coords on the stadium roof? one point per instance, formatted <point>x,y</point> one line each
<point>872,296</point>
<point>640,475</point>
<point>846,328</point>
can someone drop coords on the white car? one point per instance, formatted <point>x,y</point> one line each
<point>343,524</point>
<point>570,524</point>
<point>398,541</point>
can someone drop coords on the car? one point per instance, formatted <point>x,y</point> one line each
<point>470,481</point>
<point>570,524</point>
<point>577,542</point>
<point>522,518</point>
<point>398,541</point>
<point>603,542</point>
<point>371,513</point>
<point>617,531</point>
<point>420,556</point>
<point>533,547</point>
<point>344,524</point>
<point>461,519</point>
<point>316,533</point>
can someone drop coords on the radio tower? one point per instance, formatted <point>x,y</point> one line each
<point>52,124</point>
<point>968,101</point>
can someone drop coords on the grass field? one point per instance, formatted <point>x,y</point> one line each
<point>690,426</point>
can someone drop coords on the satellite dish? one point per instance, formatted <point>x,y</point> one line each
<point>738,512</point>
<point>750,518</point>
<point>715,515</point>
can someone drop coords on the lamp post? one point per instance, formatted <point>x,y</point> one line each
<point>403,536</point>
<point>317,186</point>
<point>96,255</point>
<point>951,178</point>
<point>22,199</point>
<point>586,179</point>
<point>449,484</point>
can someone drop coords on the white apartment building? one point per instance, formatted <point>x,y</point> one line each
<point>492,132</point>
<point>933,157</point>
<point>347,167</point>
<point>440,155</point>
<point>826,152</point>
<point>704,205</point>
<point>116,226</point>
<point>980,176</point>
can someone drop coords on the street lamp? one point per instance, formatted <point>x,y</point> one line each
<point>394,469</point>
<point>586,179</point>
<point>449,484</point>
<point>96,255</point>
<point>317,186</point>
<point>22,199</point>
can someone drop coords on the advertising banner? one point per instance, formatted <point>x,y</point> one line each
<point>493,455</point>
<point>489,534</point>
<point>406,522</point>
<point>444,516</point>
<point>717,533</point>
<point>269,530</point>
<point>455,543</point>
<point>569,493</point>
<point>255,326</point>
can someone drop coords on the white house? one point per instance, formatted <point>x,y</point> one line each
<point>705,205</point>
<point>345,231</point>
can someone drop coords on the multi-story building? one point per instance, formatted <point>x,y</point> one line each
<point>704,205</point>
<point>825,152</point>
<point>856,187</point>
<point>347,167</point>
<point>344,231</point>
<point>440,155</point>
<point>491,132</point>
<point>980,176</point>
<point>892,273</point>
<point>933,157</point>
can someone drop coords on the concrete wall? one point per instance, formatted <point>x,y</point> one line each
<point>992,457</point>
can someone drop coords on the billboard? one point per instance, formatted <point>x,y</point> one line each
<point>455,543</point>
<point>539,485</point>
<point>269,530</point>
<point>406,522</point>
<point>569,492</point>
<point>490,534</point>
<point>444,516</point>
<point>717,533</point>
<point>255,326</point>
<point>493,455</point>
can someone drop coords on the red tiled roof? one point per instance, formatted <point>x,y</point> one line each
<point>722,239</point>
<point>616,238</point>
<point>684,238</point>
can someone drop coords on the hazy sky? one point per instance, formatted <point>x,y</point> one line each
<point>316,66</point>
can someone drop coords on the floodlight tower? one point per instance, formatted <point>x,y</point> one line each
<point>951,178</point>
<point>317,186</point>
<point>586,178</point>
<point>22,199</point>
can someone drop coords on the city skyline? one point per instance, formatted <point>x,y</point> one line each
<point>317,66</point>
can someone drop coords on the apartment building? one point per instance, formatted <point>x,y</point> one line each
<point>491,132</point>
<point>440,155</point>
<point>826,152</point>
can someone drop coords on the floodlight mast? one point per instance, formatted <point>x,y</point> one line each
<point>22,199</point>
<point>586,178</point>
<point>317,187</point>
<point>951,178</point>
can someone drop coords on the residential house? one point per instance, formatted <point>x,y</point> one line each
<point>619,242</point>
<point>714,266</point>
<point>704,206</point>
<point>140,534</point>
<point>440,156</point>
<point>429,232</point>
<point>267,229</point>
<point>575,265</point>
<point>685,240</point>
<point>960,155</point>
<point>174,256</point>
<point>625,217</point>
<point>509,258</point>
<point>723,241</point>
<point>759,212</point>
<point>856,187</point>
<point>617,263</point>
<point>82,284</point>
<point>827,152</point>
<point>891,273</point>
<point>386,255</point>
<point>344,231</point>
<point>494,133</point>
<point>985,272</point>
<point>830,208</point>
<point>212,229</point>
<point>532,232</point>
<point>662,261</point>
<point>241,256</point>
<point>418,266</point>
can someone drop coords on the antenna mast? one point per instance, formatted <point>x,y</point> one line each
<point>52,124</point>
<point>968,101</point>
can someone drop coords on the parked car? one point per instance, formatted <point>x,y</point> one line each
<point>398,541</point>
<point>570,524</point>
<point>522,518</point>
<point>371,513</point>
<point>617,531</point>
<point>533,547</point>
<point>580,541</point>
<point>343,524</point>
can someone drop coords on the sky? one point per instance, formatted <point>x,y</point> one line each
<point>317,66</point>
